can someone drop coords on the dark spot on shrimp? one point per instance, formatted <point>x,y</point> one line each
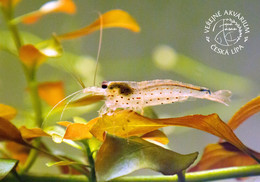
<point>158,98</point>
<point>124,88</point>
<point>116,100</point>
<point>205,90</point>
<point>167,98</point>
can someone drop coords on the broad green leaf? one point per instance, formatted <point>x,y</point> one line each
<point>51,92</point>
<point>125,123</point>
<point>249,109</point>
<point>7,42</point>
<point>119,156</point>
<point>7,112</point>
<point>6,166</point>
<point>221,155</point>
<point>9,132</point>
<point>111,19</point>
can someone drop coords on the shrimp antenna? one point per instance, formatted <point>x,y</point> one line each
<point>99,45</point>
<point>73,94</point>
<point>78,80</point>
<point>66,105</point>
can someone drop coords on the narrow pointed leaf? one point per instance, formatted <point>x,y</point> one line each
<point>125,123</point>
<point>61,163</point>
<point>7,112</point>
<point>6,166</point>
<point>9,132</point>
<point>221,155</point>
<point>244,113</point>
<point>111,19</point>
<point>51,92</point>
<point>157,136</point>
<point>64,6</point>
<point>119,156</point>
<point>32,133</point>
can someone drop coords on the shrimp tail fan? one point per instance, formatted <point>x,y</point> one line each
<point>221,96</point>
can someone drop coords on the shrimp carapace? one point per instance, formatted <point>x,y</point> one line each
<point>136,95</point>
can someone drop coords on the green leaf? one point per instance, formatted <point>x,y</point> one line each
<point>50,48</point>
<point>119,156</point>
<point>6,166</point>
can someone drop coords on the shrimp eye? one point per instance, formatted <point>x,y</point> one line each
<point>104,84</point>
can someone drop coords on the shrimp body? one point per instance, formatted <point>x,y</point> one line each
<point>137,95</point>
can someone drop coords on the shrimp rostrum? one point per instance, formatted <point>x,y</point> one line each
<point>137,95</point>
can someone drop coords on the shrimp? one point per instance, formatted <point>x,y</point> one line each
<point>137,95</point>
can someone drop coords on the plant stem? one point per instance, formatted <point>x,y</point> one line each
<point>31,157</point>
<point>31,84</point>
<point>91,161</point>
<point>217,174</point>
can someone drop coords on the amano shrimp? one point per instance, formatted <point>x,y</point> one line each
<point>137,95</point>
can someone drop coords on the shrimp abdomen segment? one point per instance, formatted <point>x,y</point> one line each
<point>169,94</point>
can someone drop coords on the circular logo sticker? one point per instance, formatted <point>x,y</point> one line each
<point>226,32</point>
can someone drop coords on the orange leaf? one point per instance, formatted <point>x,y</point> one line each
<point>157,136</point>
<point>32,133</point>
<point>77,131</point>
<point>223,155</point>
<point>111,19</point>
<point>125,123</point>
<point>64,123</point>
<point>17,151</point>
<point>9,132</point>
<point>31,56</point>
<point>244,113</point>
<point>65,6</point>
<point>51,92</point>
<point>5,3</point>
<point>7,112</point>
